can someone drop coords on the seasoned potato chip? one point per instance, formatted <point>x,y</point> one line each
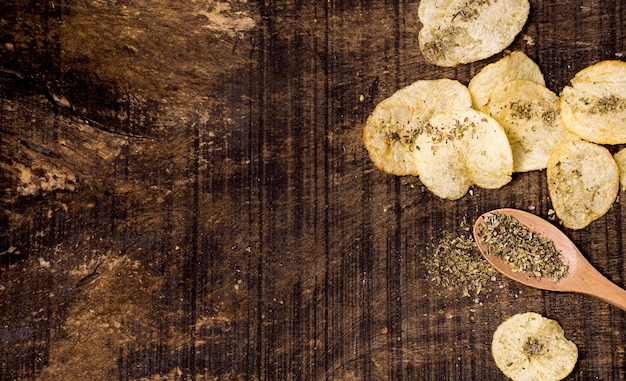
<point>390,131</point>
<point>517,65</point>
<point>461,148</point>
<point>620,159</point>
<point>530,347</point>
<point>461,31</point>
<point>529,114</point>
<point>583,181</point>
<point>594,106</point>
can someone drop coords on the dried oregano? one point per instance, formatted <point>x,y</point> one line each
<point>523,249</point>
<point>456,263</point>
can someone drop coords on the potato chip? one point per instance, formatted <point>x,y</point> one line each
<point>517,65</point>
<point>390,131</point>
<point>529,114</point>
<point>583,181</point>
<point>460,31</point>
<point>594,106</point>
<point>461,148</point>
<point>620,159</point>
<point>528,346</point>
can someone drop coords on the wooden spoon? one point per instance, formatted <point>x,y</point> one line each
<point>582,277</point>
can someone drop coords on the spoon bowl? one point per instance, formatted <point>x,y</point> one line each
<point>581,278</point>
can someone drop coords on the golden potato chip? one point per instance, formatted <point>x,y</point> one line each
<point>390,131</point>
<point>461,148</point>
<point>583,181</point>
<point>594,106</point>
<point>517,65</point>
<point>620,159</point>
<point>530,347</point>
<point>460,31</point>
<point>529,114</point>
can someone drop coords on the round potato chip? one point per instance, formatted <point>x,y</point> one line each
<point>461,148</point>
<point>460,31</point>
<point>594,106</point>
<point>517,65</point>
<point>390,131</point>
<point>583,181</point>
<point>529,114</point>
<point>528,346</point>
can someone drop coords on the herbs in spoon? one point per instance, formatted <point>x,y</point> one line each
<point>523,249</point>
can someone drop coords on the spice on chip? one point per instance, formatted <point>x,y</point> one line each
<point>516,65</point>
<point>583,181</point>
<point>528,346</point>
<point>529,114</point>
<point>594,106</point>
<point>396,122</point>
<point>455,32</point>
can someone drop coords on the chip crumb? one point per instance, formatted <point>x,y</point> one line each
<point>530,41</point>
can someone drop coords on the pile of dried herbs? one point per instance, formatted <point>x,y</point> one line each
<point>525,250</point>
<point>456,263</point>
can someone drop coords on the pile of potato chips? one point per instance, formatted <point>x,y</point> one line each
<point>505,121</point>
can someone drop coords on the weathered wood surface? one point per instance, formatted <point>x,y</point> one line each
<point>185,195</point>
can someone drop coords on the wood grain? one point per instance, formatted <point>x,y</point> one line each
<point>206,158</point>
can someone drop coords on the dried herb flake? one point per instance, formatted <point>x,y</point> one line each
<point>457,264</point>
<point>523,249</point>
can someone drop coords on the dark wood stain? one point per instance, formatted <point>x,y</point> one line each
<point>185,195</point>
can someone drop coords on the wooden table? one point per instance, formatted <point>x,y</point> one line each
<point>186,195</point>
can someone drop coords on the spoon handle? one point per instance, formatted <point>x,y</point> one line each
<point>597,285</point>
